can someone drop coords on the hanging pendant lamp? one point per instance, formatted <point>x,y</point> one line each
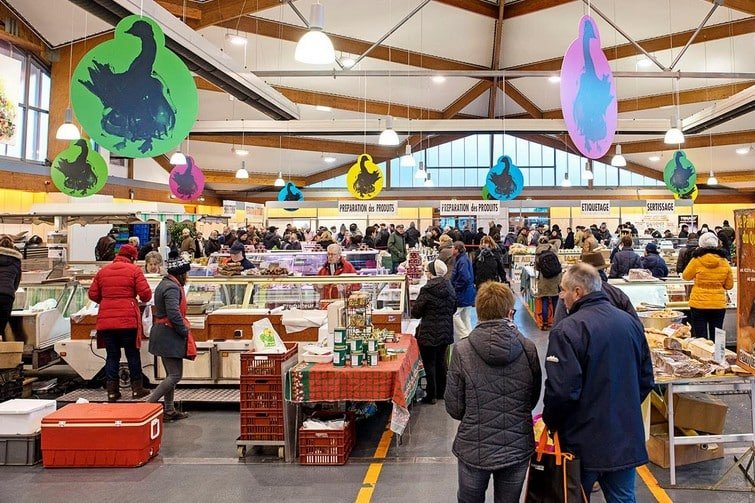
<point>315,48</point>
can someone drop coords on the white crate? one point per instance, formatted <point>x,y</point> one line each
<point>24,417</point>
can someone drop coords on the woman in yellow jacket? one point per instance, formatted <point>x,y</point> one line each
<point>711,272</point>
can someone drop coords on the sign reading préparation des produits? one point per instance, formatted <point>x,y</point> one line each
<point>479,208</point>
<point>660,207</point>
<point>596,208</point>
<point>376,207</point>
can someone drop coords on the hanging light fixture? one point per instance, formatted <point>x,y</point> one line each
<point>587,174</point>
<point>178,158</point>
<point>235,39</point>
<point>242,173</point>
<point>280,182</point>
<point>565,182</point>
<point>428,181</point>
<point>388,137</point>
<point>68,130</point>
<point>347,61</point>
<point>743,150</point>
<point>407,160</point>
<point>315,48</point>
<point>618,160</point>
<point>421,174</point>
<point>328,159</point>
<point>712,180</point>
<point>241,152</point>
<point>675,136</point>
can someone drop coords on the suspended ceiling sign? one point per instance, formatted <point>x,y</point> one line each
<point>133,95</point>
<point>596,208</point>
<point>479,208</point>
<point>588,93</point>
<point>665,207</point>
<point>383,208</point>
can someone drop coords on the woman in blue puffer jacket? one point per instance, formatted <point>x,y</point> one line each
<point>653,261</point>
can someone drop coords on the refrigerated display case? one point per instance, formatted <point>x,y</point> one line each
<point>304,263</point>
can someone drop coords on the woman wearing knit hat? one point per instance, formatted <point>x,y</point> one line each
<point>711,272</point>
<point>170,331</point>
<point>119,321</point>
<point>435,306</point>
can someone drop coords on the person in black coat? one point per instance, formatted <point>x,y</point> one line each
<point>493,384</point>
<point>412,235</point>
<point>599,372</point>
<point>271,239</point>
<point>10,278</point>
<point>653,261</point>
<point>435,306</point>
<point>488,265</point>
<point>685,253</point>
<point>625,259</point>
<point>477,239</point>
<point>569,241</point>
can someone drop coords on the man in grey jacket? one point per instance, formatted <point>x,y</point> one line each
<point>493,384</point>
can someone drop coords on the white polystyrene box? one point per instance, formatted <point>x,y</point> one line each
<point>23,417</point>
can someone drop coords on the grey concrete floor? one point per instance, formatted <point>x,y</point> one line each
<point>197,463</point>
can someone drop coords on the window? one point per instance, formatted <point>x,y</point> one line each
<point>33,111</point>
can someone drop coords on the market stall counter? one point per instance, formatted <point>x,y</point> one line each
<point>392,381</point>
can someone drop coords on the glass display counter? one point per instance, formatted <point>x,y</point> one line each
<point>304,263</point>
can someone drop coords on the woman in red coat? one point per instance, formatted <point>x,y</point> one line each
<point>119,321</point>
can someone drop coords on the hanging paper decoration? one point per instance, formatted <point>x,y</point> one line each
<point>692,194</point>
<point>365,178</point>
<point>290,192</point>
<point>505,180</point>
<point>132,95</point>
<point>79,171</point>
<point>679,174</point>
<point>588,93</point>
<point>186,180</point>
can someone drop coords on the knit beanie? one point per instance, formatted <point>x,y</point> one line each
<point>437,268</point>
<point>177,265</point>
<point>708,240</point>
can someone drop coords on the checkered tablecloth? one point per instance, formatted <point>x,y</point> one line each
<point>394,381</point>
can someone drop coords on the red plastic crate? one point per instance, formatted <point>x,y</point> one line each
<point>264,395</point>
<point>264,364</point>
<point>262,426</point>
<point>327,447</point>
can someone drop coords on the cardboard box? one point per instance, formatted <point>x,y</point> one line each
<point>658,449</point>
<point>700,412</point>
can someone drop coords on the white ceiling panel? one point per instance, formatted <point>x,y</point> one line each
<point>59,21</point>
<point>427,31</point>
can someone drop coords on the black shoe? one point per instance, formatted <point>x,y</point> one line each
<point>113,391</point>
<point>430,401</point>
<point>169,417</point>
<point>137,389</point>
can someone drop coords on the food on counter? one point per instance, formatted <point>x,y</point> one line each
<point>358,300</point>
<point>665,313</point>
<point>640,275</point>
<point>230,269</point>
<point>275,271</point>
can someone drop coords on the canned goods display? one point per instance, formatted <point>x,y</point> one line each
<point>340,354</point>
<point>339,335</point>
<point>371,346</point>
<point>357,359</point>
<point>356,345</point>
<point>373,359</point>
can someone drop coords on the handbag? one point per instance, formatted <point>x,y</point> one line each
<point>191,347</point>
<point>554,475</point>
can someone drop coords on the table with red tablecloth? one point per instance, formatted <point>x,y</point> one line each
<point>395,381</point>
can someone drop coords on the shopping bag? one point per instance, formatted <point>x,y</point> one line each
<point>191,347</point>
<point>265,339</point>
<point>554,477</point>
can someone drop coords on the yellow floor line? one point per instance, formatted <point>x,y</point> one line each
<point>656,490</point>
<point>373,472</point>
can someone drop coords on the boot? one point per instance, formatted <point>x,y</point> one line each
<point>113,391</point>
<point>137,389</point>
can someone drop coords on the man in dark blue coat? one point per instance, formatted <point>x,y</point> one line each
<point>599,372</point>
<point>462,279</point>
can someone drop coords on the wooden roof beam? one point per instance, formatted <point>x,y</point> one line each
<point>180,10</point>
<point>265,179</point>
<point>708,33</point>
<point>292,33</point>
<point>512,10</point>
<point>736,177</point>
<point>221,11</point>
<point>296,143</point>
<point>495,63</point>
<point>746,6</point>
<point>520,99</point>
<point>699,95</point>
<point>700,141</point>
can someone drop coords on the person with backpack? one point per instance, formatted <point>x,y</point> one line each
<point>549,272</point>
<point>488,265</point>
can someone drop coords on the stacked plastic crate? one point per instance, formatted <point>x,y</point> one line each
<point>261,395</point>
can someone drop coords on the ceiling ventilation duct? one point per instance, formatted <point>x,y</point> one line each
<point>720,112</point>
<point>202,57</point>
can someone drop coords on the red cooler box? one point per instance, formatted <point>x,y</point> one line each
<point>102,435</point>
